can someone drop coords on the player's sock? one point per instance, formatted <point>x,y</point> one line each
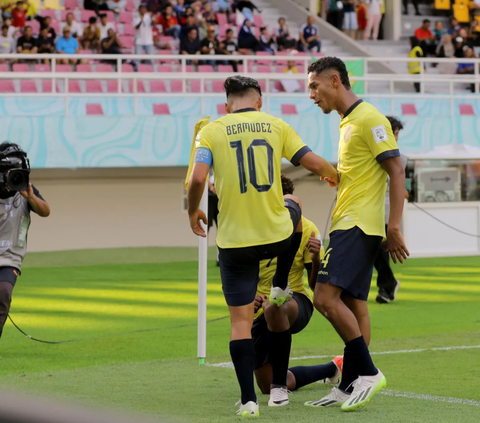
<point>305,375</point>
<point>285,261</point>
<point>242,352</point>
<point>357,361</point>
<point>279,345</point>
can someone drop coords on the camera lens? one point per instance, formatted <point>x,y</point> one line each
<point>17,179</point>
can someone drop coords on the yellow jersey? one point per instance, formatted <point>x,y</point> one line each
<point>296,278</point>
<point>247,149</point>
<point>366,139</point>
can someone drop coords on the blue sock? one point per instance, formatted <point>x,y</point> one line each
<point>305,375</point>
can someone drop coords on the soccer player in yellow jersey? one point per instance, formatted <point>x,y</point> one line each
<point>293,316</point>
<point>255,222</point>
<point>367,154</point>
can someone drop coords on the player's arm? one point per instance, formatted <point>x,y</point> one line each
<point>314,246</point>
<point>320,167</point>
<point>395,243</point>
<point>196,186</point>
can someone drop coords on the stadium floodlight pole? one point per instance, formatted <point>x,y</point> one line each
<point>202,287</point>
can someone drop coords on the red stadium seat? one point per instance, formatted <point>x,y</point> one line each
<point>205,68</point>
<point>257,19</point>
<point>20,67</point>
<point>409,109</point>
<point>140,87</point>
<point>222,19</point>
<point>218,87</point>
<point>190,68</point>
<point>63,68</point>
<point>164,68</point>
<point>28,86</point>
<point>127,68</point>
<point>225,68</point>
<point>263,61</point>
<point>74,86</point>
<point>130,7</point>
<point>128,29</point>
<point>221,109</point>
<point>176,86</point>
<point>71,4</point>
<point>263,85</point>
<point>161,109</point>
<point>110,15</point>
<point>84,68</point>
<point>104,68</point>
<point>51,13</point>
<point>466,110</point>
<point>126,17</point>
<point>195,86</point>
<point>94,109</point>
<point>4,68</point>
<point>289,109</point>
<point>87,14</point>
<point>47,86</point>
<point>127,41</point>
<point>157,86</point>
<point>93,86</point>
<point>280,69</point>
<point>6,86</point>
<point>35,26</point>
<point>264,69</point>
<point>145,68</point>
<point>112,86</point>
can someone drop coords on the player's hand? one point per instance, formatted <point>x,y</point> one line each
<point>28,193</point>
<point>333,182</point>
<point>313,244</point>
<point>195,224</point>
<point>259,300</point>
<point>396,246</point>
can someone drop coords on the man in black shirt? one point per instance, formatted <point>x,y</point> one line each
<point>189,24</point>
<point>210,44</point>
<point>111,44</point>
<point>26,44</point>
<point>190,45</point>
<point>45,43</point>
<point>229,47</point>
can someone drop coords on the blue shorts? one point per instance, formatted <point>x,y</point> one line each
<point>350,21</point>
<point>348,261</point>
<point>9,274</point>
<point>239,267</point>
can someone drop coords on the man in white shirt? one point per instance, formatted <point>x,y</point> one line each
<point>76,28</point>
<point>7,44</point>
<point>105,26</point>
<point>144,34</point>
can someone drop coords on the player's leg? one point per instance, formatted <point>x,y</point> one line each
<point>288,252</point>
<point>386,282</point>
<point>360,310</point>
<point>239,281</point>
<point>6,289</point>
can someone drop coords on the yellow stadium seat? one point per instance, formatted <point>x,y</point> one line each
<point>52,4</point>
<point>461,13</point>
<point>442,4</point>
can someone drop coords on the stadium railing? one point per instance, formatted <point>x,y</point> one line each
<point>370,90</point>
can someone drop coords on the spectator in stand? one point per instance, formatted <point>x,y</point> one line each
<point>426,38</point>
<point>183,18</point>
<point>468,68</point>
<point>143,35</point>
<point>415,5</point>
<point>266,41</point>
<point>19,14</point>
<point>27,44</point>
<point>197,11</point>
<point>210,44</point>
<point>190,45</point>
<point>209,14</point>
<point>439,31</point>
<point>284,40</point>
<point>76,29</point>
<point>111,44</point>
<point>459,47</point>
<point>246,37</point>
<point>229,47</point>
<point>46,23</point>
<point>242,5</point>
<point>202,28</point>
<point>454,27</point>
<point>162,45</point>
<point>473,34</point>
<point>335,14</point>
<point>446,49</point>
<point>105,26</point>
<point>361,19</point>
<point>116,6</point>
<point>67,45</point>
<point>31,9</point>
<point>309,36</point>
<point>189,24</point>
<point>91,35</point>
<point>350,23</point>
<point>180,7</point>
<point>169,23</point>
<point>7,43</point>
<point>374,16</point>
<point>414,68</point>
<point>45,44</point>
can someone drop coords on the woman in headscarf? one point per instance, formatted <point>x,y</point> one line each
<point>446,49</point>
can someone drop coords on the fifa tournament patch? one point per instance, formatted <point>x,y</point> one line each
<point>380,133</point>
<point>203,155</point>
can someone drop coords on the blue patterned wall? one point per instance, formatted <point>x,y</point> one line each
<point>55,141</point>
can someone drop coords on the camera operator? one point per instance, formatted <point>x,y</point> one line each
<point>17,199</point>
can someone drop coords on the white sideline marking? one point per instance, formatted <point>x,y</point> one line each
<point>229,364</point>
<point>433,398</point>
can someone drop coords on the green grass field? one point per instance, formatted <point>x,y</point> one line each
<point>133,313</point>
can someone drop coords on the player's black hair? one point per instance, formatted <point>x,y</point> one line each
<point>331,63</point>
<point>240,85</point>
<point>396,123</point>
<point>287,185</point>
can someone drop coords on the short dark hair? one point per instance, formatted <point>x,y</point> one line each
<point>426,21</point>
<point>395,122</point>
<point>280,18</point>
<point>191,29</point>
<point>228,30</point>
<point>287,185</point>
<point>333,63</point>
<point>4,27</point>
<point>28,26</point>
<point>240,85</point>
<point>92,19</point>
<point>102,15</point>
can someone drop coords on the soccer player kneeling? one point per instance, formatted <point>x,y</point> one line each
<point>255,222</point>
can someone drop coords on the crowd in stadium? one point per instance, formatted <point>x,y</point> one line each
<point>223,27</point>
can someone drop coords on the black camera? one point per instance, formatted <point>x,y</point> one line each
<point>14,168</point>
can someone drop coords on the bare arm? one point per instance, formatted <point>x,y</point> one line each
<point>320,167</point>
<point>38,205</point>
<point>314,246</point>
<point>195,189</point>
<point>395,243</point>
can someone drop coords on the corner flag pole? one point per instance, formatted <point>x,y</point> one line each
<point>202,287</point>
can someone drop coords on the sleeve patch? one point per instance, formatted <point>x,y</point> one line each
<point>203,155</point>
<point>380,133</point>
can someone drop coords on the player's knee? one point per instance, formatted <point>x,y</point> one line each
<point>323,306</point>
<point>276,317</point>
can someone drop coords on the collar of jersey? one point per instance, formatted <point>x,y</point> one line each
<point>247,109</point>
<point>352,107</point>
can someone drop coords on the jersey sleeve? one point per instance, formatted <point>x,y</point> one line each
<point>306,254</point>
<point>379,137</point>
<point>203,146</point>
<point>293,146</point>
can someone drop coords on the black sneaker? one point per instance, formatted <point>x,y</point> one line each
<point>385,297</point>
